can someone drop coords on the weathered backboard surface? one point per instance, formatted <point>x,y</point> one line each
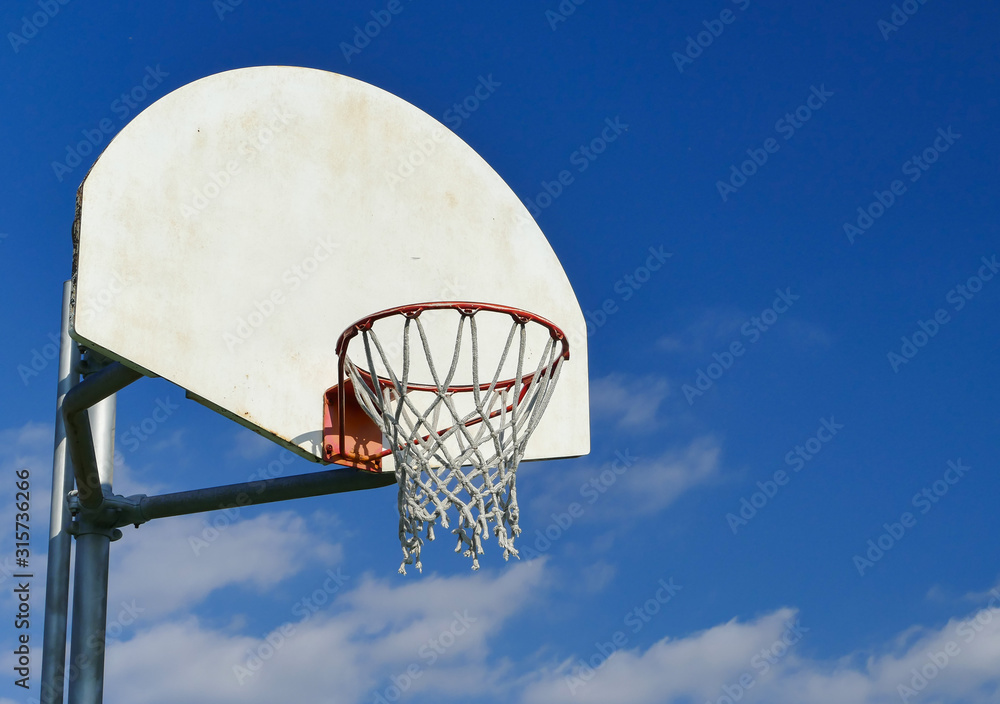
<point>236,227</point>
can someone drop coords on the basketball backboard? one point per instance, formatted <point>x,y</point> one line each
<point>230,234</point>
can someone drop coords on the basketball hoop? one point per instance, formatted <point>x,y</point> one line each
<point>455,438</point>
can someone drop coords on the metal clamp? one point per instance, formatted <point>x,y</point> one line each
<point>104,520</point>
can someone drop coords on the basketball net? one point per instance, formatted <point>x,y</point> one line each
<point>456,447</point>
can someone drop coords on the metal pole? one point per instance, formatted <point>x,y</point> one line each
<point>60,541</point>
<point>90,583</point>
<point>261,492</point>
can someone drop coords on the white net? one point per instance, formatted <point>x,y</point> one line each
<point>457,437</point>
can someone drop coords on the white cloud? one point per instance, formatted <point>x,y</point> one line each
<point>703,335</point>
<point>29,445</point>
<point>172,564</point>
<point>972,597</point>
<point>808,334</point>
<point>693,667</point>
<point>437,629</point>
<point>597,575</point>
<point>655,484</point>
<point>632,401</point>
<point>742,662</point>
<point>715,328</point>
<point>443,631</point>
<point>628,484</point>
<point>248,445</point>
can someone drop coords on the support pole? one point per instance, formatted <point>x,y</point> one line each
<point>60,541</point>
<point>90,584</point>
<point>299,486</point>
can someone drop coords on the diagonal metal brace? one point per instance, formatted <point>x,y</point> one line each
<point>79,441</point>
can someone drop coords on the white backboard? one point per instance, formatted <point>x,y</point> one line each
<point>236,227</point>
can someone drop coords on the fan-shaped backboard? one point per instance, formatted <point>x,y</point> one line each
<point>236,227</point>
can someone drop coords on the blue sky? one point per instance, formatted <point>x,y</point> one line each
<point>747,157</point>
